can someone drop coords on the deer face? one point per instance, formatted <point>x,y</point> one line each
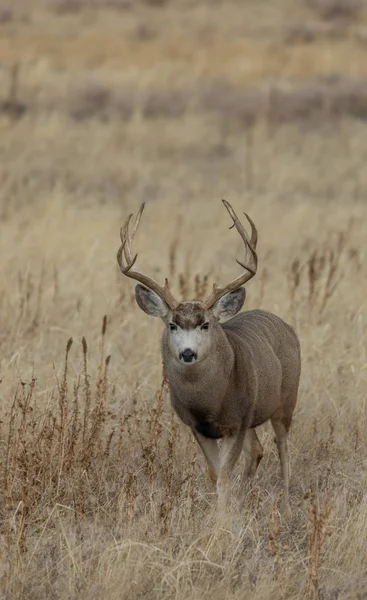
<point>190,327</point>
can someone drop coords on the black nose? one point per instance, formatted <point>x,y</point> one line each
<point>188,355</point>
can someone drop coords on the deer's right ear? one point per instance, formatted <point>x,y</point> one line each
<point>150,302</point>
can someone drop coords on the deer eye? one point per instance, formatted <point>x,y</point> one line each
<point>205,327</point>
<point>172,327</point>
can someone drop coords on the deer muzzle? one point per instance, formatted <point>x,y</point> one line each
<point>188,355</point>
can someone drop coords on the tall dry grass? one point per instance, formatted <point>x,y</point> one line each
<point>103,492</point>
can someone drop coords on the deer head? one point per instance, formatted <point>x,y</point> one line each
<point>190,325</point>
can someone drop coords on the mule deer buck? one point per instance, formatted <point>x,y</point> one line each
<point>225,379</point>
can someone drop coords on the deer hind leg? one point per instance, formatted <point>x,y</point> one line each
<point>229,451</point>
<point>253,452</point>
<point>209,447</point>
<point>281,440</point>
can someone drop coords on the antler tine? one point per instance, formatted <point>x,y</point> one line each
<point>126,240</point>
<point>130,238</point>
<point>250,270</point>
<point>126,249</point>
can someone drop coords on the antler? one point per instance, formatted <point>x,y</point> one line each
<point>250,270</point>
<point>125,249</point>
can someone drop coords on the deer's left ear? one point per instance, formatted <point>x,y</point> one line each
<point>230,304</point>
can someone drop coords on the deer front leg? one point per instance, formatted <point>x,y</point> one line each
<point>229,451</point>
<point>281,441</point>
<point>209,447</point>
<point>253,453</point>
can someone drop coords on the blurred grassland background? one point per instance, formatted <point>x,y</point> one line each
<point>105,104</point>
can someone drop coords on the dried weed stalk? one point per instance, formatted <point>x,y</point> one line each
<point>320,274</point>
<point>275,529</point>
<point>319,513</point>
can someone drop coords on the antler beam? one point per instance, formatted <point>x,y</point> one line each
<point>250,269</point>
<point>126,268</point>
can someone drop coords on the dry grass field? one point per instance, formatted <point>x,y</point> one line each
<point>105,104</point>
